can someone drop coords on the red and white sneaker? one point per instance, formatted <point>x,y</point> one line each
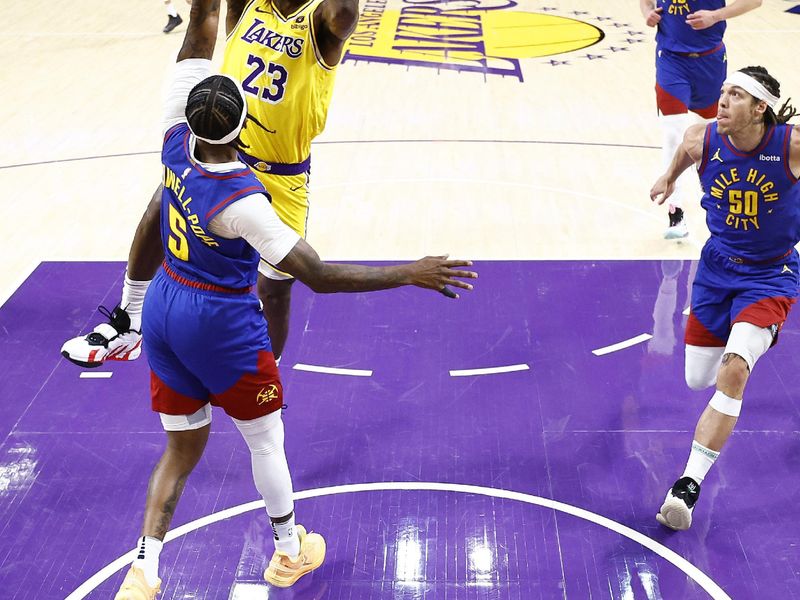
<point>114,340</point>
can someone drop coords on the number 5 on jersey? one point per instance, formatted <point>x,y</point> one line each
<point>276,74</point>
<point>177,242</point>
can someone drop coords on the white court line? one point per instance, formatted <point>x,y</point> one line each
<point>11,289</point>
<point>96,374</point>
<point>332,370</point>
<point>488,370</point>
<point>622,345</point>
<point>709,585</point>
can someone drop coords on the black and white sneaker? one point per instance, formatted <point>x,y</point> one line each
<point>114,340</point>
<point>677,225</point>
<point>172,23</point>
<point>676,512</point>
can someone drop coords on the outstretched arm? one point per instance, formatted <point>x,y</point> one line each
<point>689,152</point>
<point>234,13</point>
<point>201,34</point>
<point>334,23</point>
<point>703,19</point>
<point>432,272</point>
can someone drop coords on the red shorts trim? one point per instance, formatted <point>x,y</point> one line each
<point>697,334</point>
<point>766,312</point>
<point>253,395</point>
<point>668,104</point>
<point>165,400</point>
<point>709,112</point>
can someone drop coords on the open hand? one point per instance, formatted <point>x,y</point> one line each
<point>436,273</point>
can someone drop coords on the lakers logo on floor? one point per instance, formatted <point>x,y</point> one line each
<point>481,36</point>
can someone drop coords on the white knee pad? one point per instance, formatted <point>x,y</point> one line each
<point>701,366</point>
<point>196,420</point>
<point>264,437</point>
<point>749,341</point>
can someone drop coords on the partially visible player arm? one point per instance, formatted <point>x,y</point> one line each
<point>794,152</point>
<point>651,14</point>
<point>194,60</point>
<point>234,13</point>
<point>688,153</point>
<point>703,19</point>
<point>253,219</point>
<point>334,23</point>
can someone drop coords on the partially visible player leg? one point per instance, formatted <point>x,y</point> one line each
<point>746,344</point>
<point>289,195</point>
<point>120,338</point>
<point>182,453</point>
<point>296,552</point>
<point>173,18</point>
<point>276,296</point>
<point>673,94</point>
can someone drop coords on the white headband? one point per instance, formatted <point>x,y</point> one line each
<point>232,135</point>
<point>752,87</point>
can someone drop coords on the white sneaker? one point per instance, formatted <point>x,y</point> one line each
<point>677,225</point>
<point>676,512</point>
<point>114,340</point>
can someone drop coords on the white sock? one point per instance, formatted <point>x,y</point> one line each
<point>170,8</point>
<point>286,538</point>
<point>133,293</point>
<point>147,558</point>
<point>673,127</point>
<point>700,461</point>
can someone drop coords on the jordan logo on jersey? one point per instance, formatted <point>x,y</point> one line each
<point>716,155</point>
<point>258,34</point>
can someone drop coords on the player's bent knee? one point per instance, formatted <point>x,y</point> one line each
<point>748,342</point>
<point>263,435</point>
<point>702,366</point>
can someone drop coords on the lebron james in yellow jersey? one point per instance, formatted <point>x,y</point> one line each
<point>284,53</point>
<point>273,52</point>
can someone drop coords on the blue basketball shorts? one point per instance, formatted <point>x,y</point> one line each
<point>208,346</point>
<point>686,83</point>
<point>725,292</point>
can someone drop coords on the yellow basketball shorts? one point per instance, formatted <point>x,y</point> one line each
<point>290,201</point>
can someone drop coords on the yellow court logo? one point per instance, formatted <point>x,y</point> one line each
<point>267,394</point>
<point>483,36</point>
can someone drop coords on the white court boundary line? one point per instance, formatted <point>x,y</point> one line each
<point>332,370</point>
<point>708,584</point>
<point>622,345</point>
<point>488,370</point>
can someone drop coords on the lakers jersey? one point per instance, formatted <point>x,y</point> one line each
<point>286,81</point>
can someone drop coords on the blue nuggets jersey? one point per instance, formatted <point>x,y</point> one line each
<point>192,197</point>
<point>676,35</point>
<point>751,199</point>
